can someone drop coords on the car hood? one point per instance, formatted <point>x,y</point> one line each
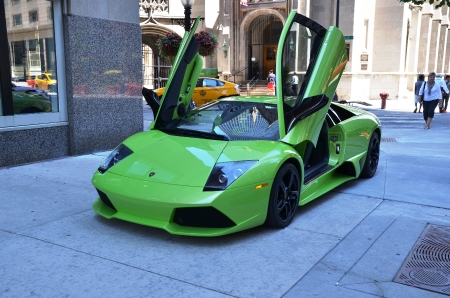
<point>167,159</point>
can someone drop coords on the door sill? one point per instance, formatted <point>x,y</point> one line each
<point>313,174</point>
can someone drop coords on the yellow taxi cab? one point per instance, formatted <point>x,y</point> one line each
<point>209,89</point>
<point>45,79</point>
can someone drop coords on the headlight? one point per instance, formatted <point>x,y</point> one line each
<point>117,155</point>
<point>223,174</point>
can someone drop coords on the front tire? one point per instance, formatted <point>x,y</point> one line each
<point>284,197</point>
<point>372,157</point>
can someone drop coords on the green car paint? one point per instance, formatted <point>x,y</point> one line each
<point>30,103</point>
<point>184,185</point>
<point>169,176</point>
<point>323,80</point>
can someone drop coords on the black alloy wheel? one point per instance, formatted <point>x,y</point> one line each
<point>284,197</point>
<point>372,158</point>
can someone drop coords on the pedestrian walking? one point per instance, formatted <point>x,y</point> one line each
<point>294,83</point>
<point>444,91</point>
<point>445,100</point>
<point>430,95</point>
<point>417,86</point>
<point>271,83</point>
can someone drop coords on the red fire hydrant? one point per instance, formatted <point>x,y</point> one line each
<point>384,96</point>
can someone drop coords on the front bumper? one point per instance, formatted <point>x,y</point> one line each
<point>165,206</point>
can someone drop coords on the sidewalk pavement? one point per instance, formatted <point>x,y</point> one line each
<point>406,105</point>
<point>348,243</point>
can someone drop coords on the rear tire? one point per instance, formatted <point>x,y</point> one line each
<point>284,197</point>
<point>372,157</point>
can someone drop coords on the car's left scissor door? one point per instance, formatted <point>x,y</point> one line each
<point>182,80</point>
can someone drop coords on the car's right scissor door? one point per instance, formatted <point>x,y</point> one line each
<point>317,56</point>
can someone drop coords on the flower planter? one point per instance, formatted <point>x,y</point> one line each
<point>207,42</point>
<point>169,51</point>
<point>205,51</point>
<point>168,44</point>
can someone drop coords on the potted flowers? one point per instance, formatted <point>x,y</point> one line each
<point>208,43</point>
<point>168,44</point>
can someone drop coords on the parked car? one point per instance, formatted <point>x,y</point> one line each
<point>24,102</point>
<point>209,89</point>
<point>240,162</point>
<point>28,90</point>
<point>45,79</point>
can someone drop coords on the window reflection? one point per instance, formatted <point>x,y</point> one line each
<point>299,49</point>
<point>32,56</point>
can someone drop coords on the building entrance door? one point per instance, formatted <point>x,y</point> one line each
<point>270,54</point>
<point>263,36</point>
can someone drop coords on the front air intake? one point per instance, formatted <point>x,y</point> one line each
<point>105,199</point>
<point>202,217</point>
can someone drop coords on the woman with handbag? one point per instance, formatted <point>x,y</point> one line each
<point>430,95</point>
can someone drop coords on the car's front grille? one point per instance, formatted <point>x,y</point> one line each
<point>202,217</point>
<point>105,199</point>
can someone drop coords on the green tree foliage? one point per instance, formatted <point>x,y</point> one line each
<point>439,3</point>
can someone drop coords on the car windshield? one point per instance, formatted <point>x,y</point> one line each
<point>51,76</point>
<point>227,120</point>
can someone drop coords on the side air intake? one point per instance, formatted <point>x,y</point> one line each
<point>347,168</point>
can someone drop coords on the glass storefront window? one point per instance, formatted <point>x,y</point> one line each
<point>32,56</point>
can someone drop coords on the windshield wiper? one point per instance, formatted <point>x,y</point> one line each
<point>194,133</point>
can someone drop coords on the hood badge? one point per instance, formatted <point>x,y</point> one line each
<point>151,174</point>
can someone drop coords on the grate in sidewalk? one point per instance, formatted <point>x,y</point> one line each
<point>388,140</point>
<point>428,263</point>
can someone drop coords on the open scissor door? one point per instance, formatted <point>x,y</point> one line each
<point>182,80</point>
<point>317,57</point>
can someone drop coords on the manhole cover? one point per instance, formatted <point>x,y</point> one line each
<point>428,263</point>
<point>387,139</point>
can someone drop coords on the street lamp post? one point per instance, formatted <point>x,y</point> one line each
<point>337,13</point>
<point>187,13</point>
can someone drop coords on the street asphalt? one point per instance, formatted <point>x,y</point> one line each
<point>350,242</point>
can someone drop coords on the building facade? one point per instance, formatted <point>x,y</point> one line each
<point>89,60</point>
<point>85,59</point>
<point>389,43</point>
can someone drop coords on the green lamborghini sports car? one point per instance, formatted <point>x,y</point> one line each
<point>242,161</point>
